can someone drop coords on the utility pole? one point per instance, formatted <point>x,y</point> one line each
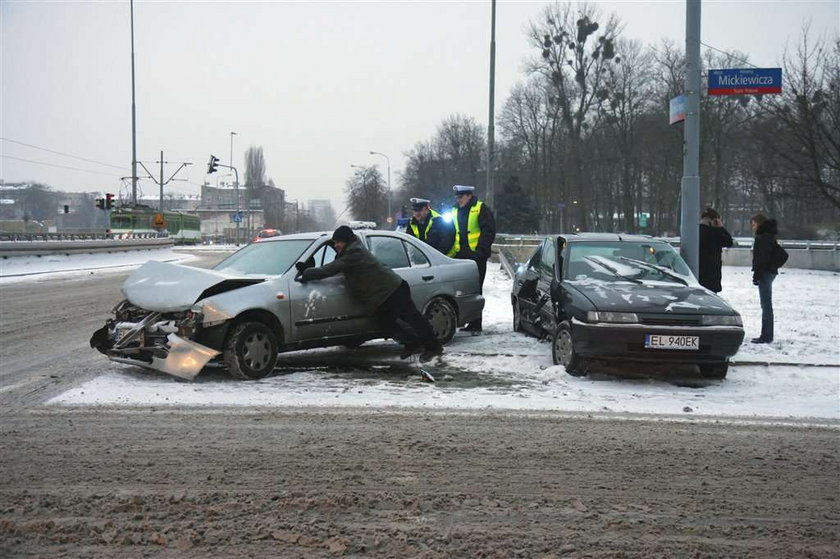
<point>236,189</point>
<point>162,182</point>
<point>491,129</point>
<point>133,120</point>
<point>690,188</point>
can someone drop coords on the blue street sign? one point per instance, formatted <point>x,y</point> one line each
<point>745,81</point>
<point>236,218</point>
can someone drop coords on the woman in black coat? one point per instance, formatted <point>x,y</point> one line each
<point>764,271</point>
<point>713,239</point>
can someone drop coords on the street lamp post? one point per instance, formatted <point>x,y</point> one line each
<point>235,189</point>
<point>389,180</point>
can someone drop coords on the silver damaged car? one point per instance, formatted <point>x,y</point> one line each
<point>249,308</point>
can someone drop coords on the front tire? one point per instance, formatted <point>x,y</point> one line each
<point>443,319</point>
<point>563,351</point>
<point>251,351</point>
<point>714,370</point>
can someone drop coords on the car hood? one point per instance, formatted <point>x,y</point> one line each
<point>651,297</point>
<point>164,287</point>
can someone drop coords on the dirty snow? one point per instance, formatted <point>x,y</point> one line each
<point>503,370</point>
<point>17,269</point>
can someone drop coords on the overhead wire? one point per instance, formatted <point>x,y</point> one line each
<point>59,166</point>
<point>62,153</point>
<point>729,54</point>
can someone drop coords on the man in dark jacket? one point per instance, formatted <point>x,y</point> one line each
<point>385,294</point>
<point>475,231</point>
<point>713,238</point>
<point>764,271</point>
<point>429,226</point>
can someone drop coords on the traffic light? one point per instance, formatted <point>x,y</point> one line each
<point>66,209</point>
<point>109,201</point>
<point>211,166</point>
<point>100,203</point>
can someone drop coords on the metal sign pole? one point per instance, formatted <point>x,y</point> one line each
<point>690,190</point>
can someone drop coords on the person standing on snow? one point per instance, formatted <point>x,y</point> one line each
<point>385,294</point>
<point>475,231</point>
<point>767,257</point>
<point>713,239</point>
<point>429,226</point>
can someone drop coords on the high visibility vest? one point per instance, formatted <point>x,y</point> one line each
<point>473,230</point>
<point>416,229</point>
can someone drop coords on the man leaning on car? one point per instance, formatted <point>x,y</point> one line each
<point>385,294</point>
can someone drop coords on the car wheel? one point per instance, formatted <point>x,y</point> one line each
<point>563,351</point>
<point>517,316</point>
<point>443,319</point>
<point>251,351</point>
<point>714,370</point>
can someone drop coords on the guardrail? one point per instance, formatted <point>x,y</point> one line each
<point>29,237</point>
<point>806,255</point>
<point>44,248</point>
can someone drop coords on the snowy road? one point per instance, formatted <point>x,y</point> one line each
<point>309,463</point>
<point>794,378</point>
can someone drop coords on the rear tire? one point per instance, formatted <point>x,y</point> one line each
<point>714,370</point>
<point>443,319</point>
<point>563,351</point>
<point>251,351</point>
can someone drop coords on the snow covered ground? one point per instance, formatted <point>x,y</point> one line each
<point>504,370</point>
<point>36,268</point>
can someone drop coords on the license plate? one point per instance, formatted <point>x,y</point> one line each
<point>656,341</point>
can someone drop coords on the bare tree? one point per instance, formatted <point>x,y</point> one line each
<point>574,60</point>
<point>367,195</point>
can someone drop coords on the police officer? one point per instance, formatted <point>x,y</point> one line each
<point>475,231</point>
<point>429,226</point>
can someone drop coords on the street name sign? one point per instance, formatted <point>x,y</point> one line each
<point>745,81</point>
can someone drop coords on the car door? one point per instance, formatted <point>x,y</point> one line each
<point>410,262</point>
<point>544,310</point>
<point>527,290</point>
<point>325,308</point>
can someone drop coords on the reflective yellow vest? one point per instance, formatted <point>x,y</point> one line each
<point>473,230</point>
<point>434,215</point>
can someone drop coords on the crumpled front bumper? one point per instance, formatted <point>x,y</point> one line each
<point>179,357</point>
<point>172,354</point>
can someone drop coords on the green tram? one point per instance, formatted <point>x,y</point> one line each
<point>183,228</point>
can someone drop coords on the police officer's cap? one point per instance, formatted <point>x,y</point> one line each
<point>462,189</point>
<point>418,204</point>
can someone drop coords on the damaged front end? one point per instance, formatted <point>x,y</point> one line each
<point>162,341</point>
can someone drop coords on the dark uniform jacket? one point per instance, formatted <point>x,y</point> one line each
<point>765,243</point>
<point>441,235</point>
<point>369,281</point>
<point>487,224</point>
<point>712,241</point>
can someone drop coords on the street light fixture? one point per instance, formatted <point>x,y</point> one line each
<point>389,180</point>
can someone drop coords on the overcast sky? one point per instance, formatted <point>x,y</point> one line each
<point>317,84</point>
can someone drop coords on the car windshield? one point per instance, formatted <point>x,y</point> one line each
<point>626,261</point>
<point>264,259</point>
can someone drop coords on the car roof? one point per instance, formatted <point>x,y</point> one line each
<point>313,235</point>
<point>611,237</point>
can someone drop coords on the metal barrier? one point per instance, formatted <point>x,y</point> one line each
<point>805,255</point>
<point>29,237</point>
<point>43,248</point>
